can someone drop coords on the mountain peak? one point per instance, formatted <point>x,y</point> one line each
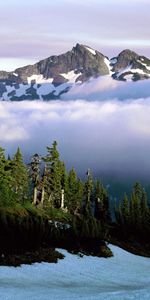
<point>51,77</point>
<point>125,59</point>
<point>129,54</point>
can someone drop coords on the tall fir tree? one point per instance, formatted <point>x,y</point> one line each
<point>101,199</point>
<point>34,168</point>
<point>72,191</point>
<point>20,177</point>
<point>88,190</point>
<point>53,176</point>
<point>125,210</point>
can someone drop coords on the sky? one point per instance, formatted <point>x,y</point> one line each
<point>32,30</point>
<point>104,124</point>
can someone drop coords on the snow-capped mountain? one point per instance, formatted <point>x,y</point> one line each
<point>50,78</point>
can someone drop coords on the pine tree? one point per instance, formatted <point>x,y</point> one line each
<point>7,196</point>
<point>125,209</point>
<point>20,177</point>
<point>135,212</point>
<point>145,217</point>
<point>72,194</point>
<point>138,190</point>
<point>2,164</point>
<point>53,176</point>
<point>101,202</point>
<point>88,189</point>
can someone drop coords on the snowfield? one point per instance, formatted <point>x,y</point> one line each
<point>124,276</point>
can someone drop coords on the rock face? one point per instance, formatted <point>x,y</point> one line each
<point>50,78</point>
<point>79,59</point>
<point>130,65</point>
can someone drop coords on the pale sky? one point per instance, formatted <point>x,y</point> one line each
<point>32,30</point>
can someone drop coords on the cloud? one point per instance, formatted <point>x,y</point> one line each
<point>110,137</point>
<point>55,26</point>
<point>105,88</point>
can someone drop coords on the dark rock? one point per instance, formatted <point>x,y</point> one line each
<point>2,89</point>
<point>82,61</point>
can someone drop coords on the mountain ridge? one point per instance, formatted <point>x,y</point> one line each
<point>51,77</point>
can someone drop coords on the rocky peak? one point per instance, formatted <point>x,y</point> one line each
<point>55,75</point>
<point>124,59</point>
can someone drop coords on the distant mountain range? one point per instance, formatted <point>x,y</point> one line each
<point>50,78</point>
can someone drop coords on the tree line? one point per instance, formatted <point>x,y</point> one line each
<point>46,183</point>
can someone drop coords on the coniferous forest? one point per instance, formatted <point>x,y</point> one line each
<point>43,206</point>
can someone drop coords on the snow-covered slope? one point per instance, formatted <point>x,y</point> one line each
<point>50,78</point>
<point>124,276</point>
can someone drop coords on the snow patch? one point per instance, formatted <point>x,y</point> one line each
<point>15,74</point>
<point>124,276</point>
<point>128,77</point>
<point>90,50</point>
<point>122,71</point>
<point>145,65</point>
<point>62,87</point>
<point>22,89</point>
<point>9,90</point>
<point>139,71</point>
<point>44,89</point>
<point>107,62</point>
<point>71,76</point>
<point>113,61</point>
<point>39,79</point>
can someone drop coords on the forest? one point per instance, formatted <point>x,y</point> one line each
<point>42,204</point>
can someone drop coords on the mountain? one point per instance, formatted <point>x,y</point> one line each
<point>50,78</point>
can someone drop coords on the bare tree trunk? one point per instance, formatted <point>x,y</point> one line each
<point>42,197</point>
<point>62,199</point>
<point>35,195</point>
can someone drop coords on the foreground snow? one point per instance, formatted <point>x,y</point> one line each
<point>124,276</point>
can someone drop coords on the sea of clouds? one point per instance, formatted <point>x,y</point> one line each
<point>103,125</point>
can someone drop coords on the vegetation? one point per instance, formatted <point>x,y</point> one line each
<point>133,216</point>
<point>43,204</point>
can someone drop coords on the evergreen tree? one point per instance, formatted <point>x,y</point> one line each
<point>7,196</point>
<point>3,164</point>
<point>20,179</point>
<point>88,189</point>
<point>53,176</point>
<point>101,202</point>
<point>135,212</point>
<point>125,209</point>
<point>72,194</point>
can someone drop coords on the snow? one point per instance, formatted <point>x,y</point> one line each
<point>60,88</point>
<point>39,79</point>
<point>124,276</point>
<point>91,50</point>
<point>145,65</point>
<point>15,74</point>
<point>9,90</point>
<point>22,89</point>
<point>129,77</point>
<point>139,71</point>
<point>113,61</point>
<point>44,89</point>
<point>107,62</point>
<point>71,76</point>
<point>127,69</point>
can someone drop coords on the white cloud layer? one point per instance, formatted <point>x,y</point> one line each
<point>109,137</point>
<point>106,88</point>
